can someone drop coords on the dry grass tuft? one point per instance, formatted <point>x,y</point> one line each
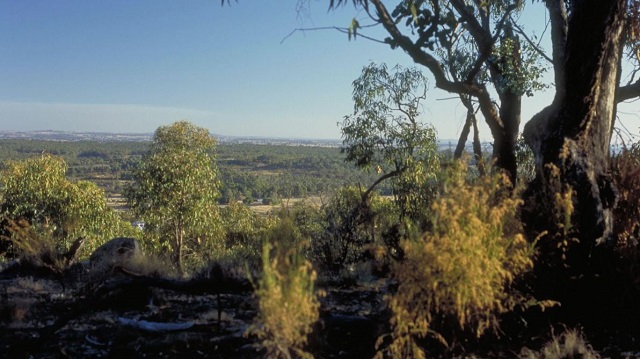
<point>288,304</point>
<point>36,249</point>
<point>570,344</point>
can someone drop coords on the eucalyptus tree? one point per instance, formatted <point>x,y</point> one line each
<point>384,134</point>
<point>175,188</point>
<point>36,192</point>
<point>472,49</point>
<point>572,134</point>
<point>571,137</point>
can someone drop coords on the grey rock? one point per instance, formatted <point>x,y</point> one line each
<point>116,252</point>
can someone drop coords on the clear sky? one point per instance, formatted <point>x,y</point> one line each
<point>134,65</point>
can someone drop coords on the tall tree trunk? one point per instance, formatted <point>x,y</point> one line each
<point>179,244</point>
<point>462,141</point>
<point>505,137</point>
<point>570,138</point>
<point>477,147</point>
<point>505,131</point>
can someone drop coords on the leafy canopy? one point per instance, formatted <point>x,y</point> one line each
<point>384,133</point>
<point>384,130</point>
<point>175,188</point>
<point>36,190</point>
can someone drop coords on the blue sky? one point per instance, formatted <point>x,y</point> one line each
<point>134,65</point>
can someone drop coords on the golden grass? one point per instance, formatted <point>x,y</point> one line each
<point>288,305</point>
<point>570,344</point>
<point>461,271</point>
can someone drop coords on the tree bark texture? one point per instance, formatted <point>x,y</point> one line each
<point>570,138</point>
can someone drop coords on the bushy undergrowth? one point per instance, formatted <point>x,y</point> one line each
<point>348,227</point>
<point>460,273</point>
<point>37,192</point>
<point>559,237</point>
<point>35,247</point>
<point>288,303</point>
<point>570,344</point>
<point>626,177</point>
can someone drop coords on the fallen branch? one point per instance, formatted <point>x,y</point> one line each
<point>215,285</point>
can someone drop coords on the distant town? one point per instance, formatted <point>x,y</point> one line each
<point>51,135</point>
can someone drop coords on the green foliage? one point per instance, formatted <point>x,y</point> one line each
<point>36,190</point>
<point>384,129</point>
<point>526,164</point>
<point>270,172</point>
<point>415,189</point>
<point>349,225</point>
<point>460,273</point>
<point>244,235</point>
<point>520,65</point>
<point>288,302</point>
<point>174,191</point>
<point>513,65</point>
<point>384,135</point>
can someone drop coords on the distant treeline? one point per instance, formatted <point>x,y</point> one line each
<point>247,171</point>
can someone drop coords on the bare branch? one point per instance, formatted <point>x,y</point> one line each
<point>628,92</point>
<point>343,30</point>
<point>533,44</point>
<point>385,176</point>
<point>482,36</point>
<point>335,3</point>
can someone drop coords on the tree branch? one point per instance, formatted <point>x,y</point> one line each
<point>534,45</point>
<point>481,33</point>
<point>628,92</point>
<point>396,172</point>
<point>421,57</point>
<point>343,30</point>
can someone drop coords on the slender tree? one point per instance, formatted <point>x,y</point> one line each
<point>176,186</point>
<point>472,49</point>
<point>384,134</point>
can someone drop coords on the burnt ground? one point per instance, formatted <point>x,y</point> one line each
<point>125,316</point>
<point>44,316</point>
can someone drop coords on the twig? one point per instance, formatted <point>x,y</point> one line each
<point>343,30</point>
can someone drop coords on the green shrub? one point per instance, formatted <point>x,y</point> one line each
<point>288,303</point>
<point>37,191</point>
<point>460,274</point>
<point>351,226</point>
